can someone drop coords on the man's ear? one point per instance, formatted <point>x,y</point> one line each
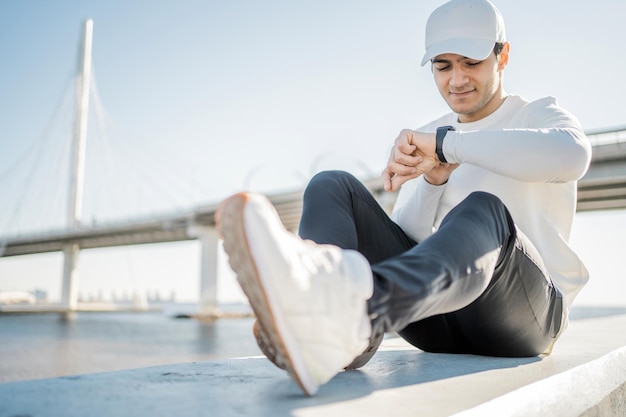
<point>503,58</point>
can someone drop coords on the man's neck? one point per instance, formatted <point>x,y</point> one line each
<point>489,108</point>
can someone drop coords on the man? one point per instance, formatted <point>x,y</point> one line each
<point>474,258</point>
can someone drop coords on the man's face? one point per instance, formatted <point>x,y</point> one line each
<point>471,88</point>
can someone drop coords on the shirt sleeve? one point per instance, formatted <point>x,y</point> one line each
<point>553,148</point>
<point>416,207</point>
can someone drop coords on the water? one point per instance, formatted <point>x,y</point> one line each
<point>47,345</point>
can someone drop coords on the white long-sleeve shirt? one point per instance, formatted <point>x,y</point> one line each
<point>530,155</point>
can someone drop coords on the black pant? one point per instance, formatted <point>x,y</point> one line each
<point>477,285</point>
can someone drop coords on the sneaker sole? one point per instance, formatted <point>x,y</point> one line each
<point>240,258</point>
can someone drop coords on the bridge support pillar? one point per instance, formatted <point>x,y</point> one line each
<point>209,268</point>
<point>69,292</point>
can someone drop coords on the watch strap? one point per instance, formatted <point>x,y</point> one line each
<point>439,136</point>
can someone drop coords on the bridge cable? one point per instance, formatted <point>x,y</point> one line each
<point>30,160</point>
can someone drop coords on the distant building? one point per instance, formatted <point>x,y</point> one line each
<point>17,297</point>
<point>41,296</point>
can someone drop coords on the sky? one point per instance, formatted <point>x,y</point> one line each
<point>195,100</point>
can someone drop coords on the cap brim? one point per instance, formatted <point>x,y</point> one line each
<point>470,48</point>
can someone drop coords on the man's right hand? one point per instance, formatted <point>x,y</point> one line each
<point>412,155</point>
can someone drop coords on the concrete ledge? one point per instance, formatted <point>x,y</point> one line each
<point>584,376</point>
<point>597,388</point>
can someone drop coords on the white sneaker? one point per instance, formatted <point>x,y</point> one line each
<point>309,298</point>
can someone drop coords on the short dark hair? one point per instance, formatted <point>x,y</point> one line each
<point>497,48</point>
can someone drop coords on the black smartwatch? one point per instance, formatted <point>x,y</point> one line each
<point>441,133</point>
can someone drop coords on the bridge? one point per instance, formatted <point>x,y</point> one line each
<point>603,187</point>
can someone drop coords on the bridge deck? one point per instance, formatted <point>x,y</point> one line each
<point>603,187</point>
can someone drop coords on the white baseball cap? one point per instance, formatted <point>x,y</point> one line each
<point>465,27</point>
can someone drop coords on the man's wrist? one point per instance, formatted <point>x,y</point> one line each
<point>434,182</point>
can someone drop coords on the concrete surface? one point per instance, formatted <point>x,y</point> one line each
<point>585,375</point>
<point>597,388</point>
